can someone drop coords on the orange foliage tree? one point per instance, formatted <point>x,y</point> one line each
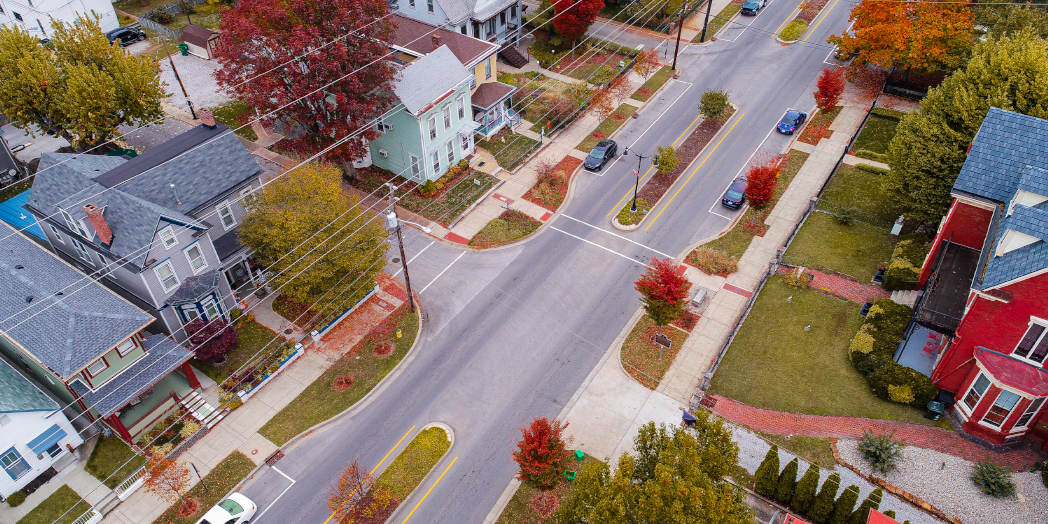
<point>913,35</point>
<point>166,479</point>
<point>602,103</point>
<point>761,181</point>
<point>647,63</point>
<point>357,499</point>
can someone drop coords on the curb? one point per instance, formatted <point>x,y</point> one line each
<point>451,436</point>
<point>632,227</point>
<point>794,17</point>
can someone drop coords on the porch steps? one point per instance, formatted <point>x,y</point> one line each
<point>906,298</point>
<point>201,410</point>
<point>512,55</point>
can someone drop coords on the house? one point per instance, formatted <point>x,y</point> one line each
<point>496,21</point>
<point>161,228</point>
<point>35,434</point>
<point>85,344</point>
<point>984,308</point>
<point>35,15</point>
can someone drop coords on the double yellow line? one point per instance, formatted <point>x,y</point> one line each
<point>825,14</point>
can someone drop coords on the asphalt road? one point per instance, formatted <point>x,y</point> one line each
<point>511,333</point>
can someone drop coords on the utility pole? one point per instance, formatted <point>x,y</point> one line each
<point>709,4</point>
<point>680,27</point>
<point>394,223</point>
<point>184,93</point>
<point>185,9</point>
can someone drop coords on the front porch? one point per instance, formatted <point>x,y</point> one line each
<point>920,348</point>
<point>491,108</point>
<point>946,293</point>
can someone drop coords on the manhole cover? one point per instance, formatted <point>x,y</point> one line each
<point>288,331</point>
<point>396,260</point>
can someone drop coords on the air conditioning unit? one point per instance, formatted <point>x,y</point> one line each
<point>383,153</point>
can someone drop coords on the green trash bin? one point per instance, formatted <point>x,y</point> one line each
<point>579,455</point>
<point>184,48</point>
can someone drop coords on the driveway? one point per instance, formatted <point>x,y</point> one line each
<point>198,78</point>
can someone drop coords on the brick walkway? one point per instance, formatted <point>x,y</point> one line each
<point>840,287</point>
<point>927,437</point>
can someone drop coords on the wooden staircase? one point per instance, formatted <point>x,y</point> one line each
<point>201,410</point>
<point>513,56</point>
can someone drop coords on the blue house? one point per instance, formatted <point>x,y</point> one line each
<point>496,21</point>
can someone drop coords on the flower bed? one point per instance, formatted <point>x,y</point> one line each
<point>248,380</point>
<point>510,226</point>
<point>551,190</point>
<point>819,126</point>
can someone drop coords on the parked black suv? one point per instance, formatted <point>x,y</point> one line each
<point>126,35</point>
<point>602,152</point>
<point>735,195</point>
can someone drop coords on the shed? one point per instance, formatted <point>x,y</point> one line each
<point>201,41</point>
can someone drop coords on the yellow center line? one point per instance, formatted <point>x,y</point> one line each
<point>430,489</point>
<point>693,172</point>
<point>646,173</point>
<point>825,14</point>
<point>372,472</point>
<point>788,18</point>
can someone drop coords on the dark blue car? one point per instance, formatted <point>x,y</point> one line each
<point>735,195</point>
<point>791,121</point>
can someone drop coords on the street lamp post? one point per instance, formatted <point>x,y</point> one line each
<point>394,223</point>
<point>636,173</point>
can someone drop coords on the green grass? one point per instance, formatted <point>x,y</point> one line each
<point>412,465</point>
<point>813,449</point>
<point>628,217</point>
<point>863,191</point>
<point>510,149</point>
<point>443,209</point>
<point>774,363</point>
<point>876,135</point>
<point>236,114</point>
<point>608,126</point>
<point>251,337</point>
<point>214,487</point>
<point>855,250</point>
<point>62,507</point>
<point>519,509</point>
<point>640,356</point>
<point>654,83</point>
<point>502,231</point>
<point>320,402</point>
<point>720,21</point>
<point>793,30</point>
<point>112,461</point>
<point>139,7</point>
<point>16,188</point>
<point>206,15</point>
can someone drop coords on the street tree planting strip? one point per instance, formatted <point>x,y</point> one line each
<point>551,189</point>
<point>722,19</point>
<point>799,25</point>
<point>214,486</point>
<point>411,467</point>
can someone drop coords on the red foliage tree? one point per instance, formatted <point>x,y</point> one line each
<point>761,181</point>
<point>831,87</point>
<point>260,36</point>
<point>664,289</point>
<point>212,340</point>
<point>573,17</point>
<point>542,453</point>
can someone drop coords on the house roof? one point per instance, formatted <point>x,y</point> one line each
<point>13,212</point>
<point>227,244</point>
<point>490,93</point>
<point>18,393</point>
<point>876,517</point>
<point>485,9</point>
<point>457,10</point>
<point>1006,143</point>
<point>193,288</point>
<point>425,80</point>
<point>197,35</point>
<point>1034,180</point>
<point>65,332</point>
<point>417,36</point>
<point>1013,372</point>
<point>1015,264</point>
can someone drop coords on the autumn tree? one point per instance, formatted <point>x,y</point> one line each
<point>714,103</point>
<point>1008,20</point>
<point>166,478</point>
<point>647,63</point>
<point>830,88</point>
<point>320,246</point>
<point>296,53</point>
<point>542,454</point>
<point>676,475</point>
<point>573,17</point>
<point>620,87</point>
<point>664,289</point>
<point>658,11</point>
<point>357,499</point>
<point>931,144</point>
<point>211,340</point>
<point>79,87</point>
<point>602,104</point>
<point>761,180</point>
<point>667,159</point>
<point>912,35</point>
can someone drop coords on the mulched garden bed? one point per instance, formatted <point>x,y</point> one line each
<point>819,127</point>
<point>812,10</point>
<point>660,183</point>
<point>551,193</point>
<point>294,312</point>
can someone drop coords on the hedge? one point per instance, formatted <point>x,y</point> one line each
<point>905,266</point>
<point>871,353</point>
<point>872,155</point>
<point>871,168</point>
<point>903,385</point>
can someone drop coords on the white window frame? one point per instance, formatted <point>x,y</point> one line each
<point>416,167</point>
<point>436,162</point>
<point>58,234</point>
<point>429,6</point>
<point>1030,413</point>
<point>168,237</point>
<point>126,347</point>
<point>191,314</point>
<point>225,210</point>
<point>487,69</point>
<point>1007,413</point>
<point>512,12</point>
<point>433,127</point>
<point>18,460</point>
<point>449,148</point>
<point>1041,339</point>
<point>445,112</point>
<point>202,258</point>
<point>460,105</point>
<point>81,251</point>
<point>90,368</point>
<point>979,394</point>
<point>465,143</point>
<point>75,225</point>
<point>171,267</point>
<point>211,302</point>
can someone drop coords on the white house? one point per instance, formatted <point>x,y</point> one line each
<point>35,15</point>
<point>34,433</point>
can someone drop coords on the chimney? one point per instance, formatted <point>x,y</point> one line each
<point>94,214</point>
<point>206,117</point>
<point>436,41</point>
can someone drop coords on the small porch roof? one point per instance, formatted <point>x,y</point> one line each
<point>163,356</point>
<point>1013,372</point>
<point>919,348</point>
<point>193,288</point>
<point>228,244</point>
<point>490,93</point>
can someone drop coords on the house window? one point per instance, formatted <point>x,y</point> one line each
<point>125,347</point>
<point>1001,408</point>
<point>167,236</point>
<point>512,12</point>
<point>976,392</point>
<point>436,162</point>
<point>1027,415</point>
<point>14,464</point>
<point>58,234</point>
<point>18,17</point>
<point>429,5</point>
<point>463,28</point>
<point>487,69</point>
<point>97,367</point>
<point>1034,345</point>
<point>415,168</point>
<point>191,313</point>
<point>167,276</point>
<point>490,26</point>
<point>82,251</point>
<point>225,212</point>
<point>196,258</point>
<point>465,143</point>
<point>211,310</point>
<point>476,30</point>
<point>74,225</point>
<point>433,127</point>
<point>502,18</point>
<point>102,262</point>
<point>446,113</point>
<point>53,451</point>
<point>411,4</point>
<point>460,104</point>
<point>450,148</point>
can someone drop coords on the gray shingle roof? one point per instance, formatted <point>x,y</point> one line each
<point>18,393</point>
<point>194,287</point>
<point>65,332</point>
<point>1034,180</point>
<point>485,9</point>
<point>1020,262</point>
<point>1006,143</point>
<point>457,10</point>
<point>163,355</point>
<point>427,78</point>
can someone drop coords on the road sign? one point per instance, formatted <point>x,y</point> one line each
<point>636,173</point>
<point>663,341</point>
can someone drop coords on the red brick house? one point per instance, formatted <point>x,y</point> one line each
<point>985,285</point>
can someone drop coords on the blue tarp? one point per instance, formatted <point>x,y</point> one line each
<point>12,212</point>
<point>46,439</point>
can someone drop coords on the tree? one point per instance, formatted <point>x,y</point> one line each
<point>664,289</point>
<point>1009,20</point>
<point>79,87</point>
<point>804,495</point>
<point>356,498</point>
<point>843,508</point>
<point>931,144</point>
<point>717,452</point>
<point>343,85</point>
<point>317,242</point>
<point>822,509</point>
<point>602,104</point>
<point>669,481</point>
<point>766,478</point>
<point>658,11</point>
<point>211,340</point>
<point>166,478</point>
<point>542,454</point>
<point>667,159</point>
<point>573,17</point>
<point>873,501</point>
<point>913,35</point>
<point>831,87</point>
<point>646,63</point>
<point>620,87</point>
<point>787,483</point>
<point>713,103</point>
<point>761,181</point>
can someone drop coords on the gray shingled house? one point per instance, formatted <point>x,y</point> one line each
<point>87,345</point>
<point>161,228</point>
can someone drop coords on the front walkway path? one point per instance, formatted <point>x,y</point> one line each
<point>840,287</point>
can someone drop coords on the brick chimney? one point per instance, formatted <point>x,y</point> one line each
<point>436,41</point>
<point>94,214</point>
<point>206,117</point>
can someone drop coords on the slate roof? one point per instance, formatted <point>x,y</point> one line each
<point>1006,143</point>
<point>1034,180</point>
<point>65,332</point>
<point>18,393</point>
<point>1020,262</point>
<point>417,36</point>
<point>428,78</point>
<point>162,356</point>
<point>194,287</point>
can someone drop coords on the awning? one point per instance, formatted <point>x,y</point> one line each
<point>46,439</point>
<point>469,127</point>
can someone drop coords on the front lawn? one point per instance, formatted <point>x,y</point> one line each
<point>510,149</point>
<point>723,17</point>
<point>235,114</point>
<point>813,449</point>
<point>607,127</point>
<point>63,507</point>
<point>139,7</point>
<point>412,465</point>
<point>640,355</point>
<point>774,363</point>
<point>519,510</point>
<point>443,208</point>
<point>876,135</point>
<point>509,226</point>
<point>214,487</point>
<point>251,337</point>
<point>855,250</point>
<point>321,400</point>
<point>299,314</point>
<point>653,84</point>
<point>112,461</point>
<point>863,191</point>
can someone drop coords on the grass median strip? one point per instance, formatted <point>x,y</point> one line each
<point>607,127</point>
<point>214,487</point>
<point>509,226</point>
<point>412,465</point>
<point>794,30</point>
<point>63,507</point>
<point>653,84</point>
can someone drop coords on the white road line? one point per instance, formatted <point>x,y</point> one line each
<point>600,246</point>
<point>442,273</point>
<point>412,259</point>
<point>271,504</point>
<point>759,146</point>
<point>718,214</point>
<point>617,235</point>
<point>747,26</point>
<point>653,122</point>
<point>836,61</point>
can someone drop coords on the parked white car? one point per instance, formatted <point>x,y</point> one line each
<point>235,509</point>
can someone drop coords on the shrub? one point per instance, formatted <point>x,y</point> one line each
<point>844,216</point>
<point>871,155</point>
<point>822,509</point>
<point>922,389</point>
<point>235,314</point>
<point>900,394</point>
<point>766,478</point>
<point>879,336</point>
<point>428,189</point>
<point>804,495</point>
<point>845,506</point>
<point>890,514</point>
<point>871,168</point>
<point>211,340</point>
<point>713,262</point>
<point>873,501</point>
<point>796,279</point>
<point>16,499</point>
<point>787,483</point>
<point>993,479</point>
<point>667,159</point>
<point>159,16</point>
<point>629,218</point>
<point>905,266</point>
<point>713,103</point>
<point>882,452</point>
<point>1044,474</point>
<point>871,363</point>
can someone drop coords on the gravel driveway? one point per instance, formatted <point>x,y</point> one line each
<point>197,76</point>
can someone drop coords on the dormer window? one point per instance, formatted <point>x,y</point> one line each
<point>1026,198</point>
<point>167,236</point>
<point>1013,240</point>
<point>97,367</point>
<point>74,225</point>
<point>125,347</point>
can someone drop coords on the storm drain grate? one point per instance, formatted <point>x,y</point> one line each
<point>274,458</point>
